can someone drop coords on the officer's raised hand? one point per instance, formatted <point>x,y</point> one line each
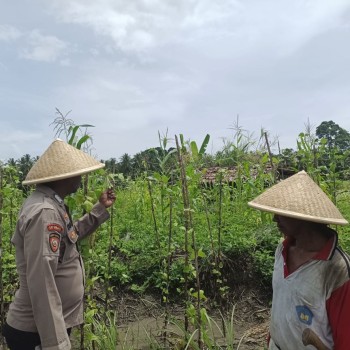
<point>107,198</point>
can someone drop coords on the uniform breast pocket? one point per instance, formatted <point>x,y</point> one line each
<point>70,251</point>
<point>306,305</point>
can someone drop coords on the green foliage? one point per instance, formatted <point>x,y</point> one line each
<point>215,335</point>
<point>75,135</point>
<point>343,204</point>
<point>105,332</point>
<point>11,198</point>
<point>267,238</point>
<point>9,276</point>
<point>334,135</point>
<point>136,260</point>
<point>198,154</point>
<point>143,249</point>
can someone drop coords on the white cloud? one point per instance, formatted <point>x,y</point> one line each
<point>44,48</point>
<point>136,26</point>
<point>218,27</point>
<point>65,62</point>
<point>287,26</point>
<point>190,65</point>
<point>9,33</point>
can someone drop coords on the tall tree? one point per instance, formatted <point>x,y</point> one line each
<point>125,164</point>
<point>111,165</point>
<point>24,165</point>
<point>335,135</point>
<point>146,161</point>
<point>12,162</point>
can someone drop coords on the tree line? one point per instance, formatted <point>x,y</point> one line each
<point>330,145</point>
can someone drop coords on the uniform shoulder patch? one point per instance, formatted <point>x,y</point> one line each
<point>54,241</point>
<point>54,227</point>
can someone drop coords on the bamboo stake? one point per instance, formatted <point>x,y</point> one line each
<point>1,247</point>
<point>186,233</point>
<point>209,226</point>
<point>109,257</point>
<point>189,227</point>
<point>219,258</point>
<point>220,218</point>
<point>169,260</point>
<point>11,221</point>
<point>153,214</point>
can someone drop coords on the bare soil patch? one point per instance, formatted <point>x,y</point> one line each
<point>141,320</point>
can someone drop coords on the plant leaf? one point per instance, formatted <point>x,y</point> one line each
<point>204,144</point>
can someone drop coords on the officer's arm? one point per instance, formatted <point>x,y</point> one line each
<point>41,252</point>
<point>91,221</point>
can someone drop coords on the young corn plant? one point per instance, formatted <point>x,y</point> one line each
<point>73,133</point>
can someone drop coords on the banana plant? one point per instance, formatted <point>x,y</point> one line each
<point>196,154</point>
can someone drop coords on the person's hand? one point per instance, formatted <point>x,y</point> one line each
<point>107,198</point>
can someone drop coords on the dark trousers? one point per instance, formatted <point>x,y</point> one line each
<point>20,340</point>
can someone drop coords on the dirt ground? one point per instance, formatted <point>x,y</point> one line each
<point>141,323</point>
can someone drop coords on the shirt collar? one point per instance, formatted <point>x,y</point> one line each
<point>50,193</point>
<point>328,250</point>
<point>325,253</point>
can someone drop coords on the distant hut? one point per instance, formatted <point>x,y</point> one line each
<point>229,174</point>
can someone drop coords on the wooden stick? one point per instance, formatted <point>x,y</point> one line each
<point>309,337</point>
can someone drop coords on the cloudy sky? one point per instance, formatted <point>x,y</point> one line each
<point>132,68</point>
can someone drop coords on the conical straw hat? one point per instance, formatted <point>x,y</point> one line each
<point>299,197</point>
<point>61,161</point>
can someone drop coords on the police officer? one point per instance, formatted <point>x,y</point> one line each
<point>49,301</point>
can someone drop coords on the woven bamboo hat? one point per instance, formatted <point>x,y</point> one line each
<point>61,161</point>
<point>299,197</point>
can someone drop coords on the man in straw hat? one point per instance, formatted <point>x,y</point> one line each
<point>49,300</point>
<point>311,288</point>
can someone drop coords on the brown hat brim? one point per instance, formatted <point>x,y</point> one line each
<point>300,216</point>
<point>63,176</point>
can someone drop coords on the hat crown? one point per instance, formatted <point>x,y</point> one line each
<point>61,161</point>
<point>299,197</point>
